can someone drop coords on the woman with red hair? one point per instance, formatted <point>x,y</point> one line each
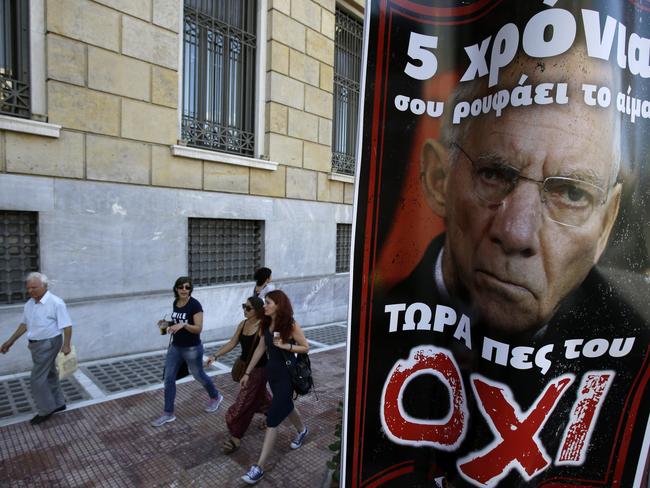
<point>283,337</point>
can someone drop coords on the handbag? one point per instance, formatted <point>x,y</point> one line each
<point>66,364</point>
<point>239,366</point>
<point>183,370</point>
<point>238,369</point>
<point>300,373</point>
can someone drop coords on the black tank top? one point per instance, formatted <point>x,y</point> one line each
<point>247,342</point>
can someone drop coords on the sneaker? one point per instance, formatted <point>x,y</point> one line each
<point>163,419</point>
<point>299,439</point>
<point>214,403</point>
<point>254,474</point>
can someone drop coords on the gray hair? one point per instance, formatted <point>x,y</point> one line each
<point>35,275</point>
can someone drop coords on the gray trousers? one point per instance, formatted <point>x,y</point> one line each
<point>46,390</point>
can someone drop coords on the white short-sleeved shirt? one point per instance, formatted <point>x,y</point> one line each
<point>269,287</point>
<point>46,318</point>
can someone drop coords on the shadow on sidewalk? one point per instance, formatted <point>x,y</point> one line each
<point>112,443</point>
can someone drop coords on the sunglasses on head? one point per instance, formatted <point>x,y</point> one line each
<point>246,307</point>
<point>184,287</point>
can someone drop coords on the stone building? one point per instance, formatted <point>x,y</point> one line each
<point>142,140</point>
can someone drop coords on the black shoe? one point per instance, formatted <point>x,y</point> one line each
<point>60,409</point>
<point>38,419</point>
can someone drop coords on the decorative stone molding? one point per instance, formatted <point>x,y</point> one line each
<point>28,126</point>
<point>219,157</point>
<point>340,177</point>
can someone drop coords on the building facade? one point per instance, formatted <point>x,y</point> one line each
<point>142,140</point>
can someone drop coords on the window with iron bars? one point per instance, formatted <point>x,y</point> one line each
<point>219,48</point>
<point>224,250</point>
<point>19,253</point>
<point>343,245</point>
<point>348,43</point>
<point>14,58</point>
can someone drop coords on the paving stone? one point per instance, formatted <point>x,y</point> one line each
<point>17,399</point>
<point>112,443</point>
<point>329,335</point>
<point>127,374</point>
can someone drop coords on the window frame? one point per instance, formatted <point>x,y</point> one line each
<point>353,119</point>
<point>37,124</point>
<point>216,279</point>
<point>32,266</point>
<point>338,258</point>
<point>182,150</point>
<point>16,53</point>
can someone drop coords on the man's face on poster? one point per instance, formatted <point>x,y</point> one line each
<point>512,260</point>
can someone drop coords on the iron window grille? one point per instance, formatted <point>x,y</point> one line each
<point>219,49</point>
<point>224,250</point>
<point>19,253</point>
<point>348,43</point>
<point>14,58</point>
<point>343,245</point>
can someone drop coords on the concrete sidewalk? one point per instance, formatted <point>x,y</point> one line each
<point>111,444</point>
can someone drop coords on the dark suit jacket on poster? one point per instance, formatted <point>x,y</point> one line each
<point>594,350</point>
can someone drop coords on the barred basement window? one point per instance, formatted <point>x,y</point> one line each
<point>19,253</point>
<point>343,244</point>
<point>14,58</point>
<point>219,47</point>
<point>348,43</point>
<point>224,250</point>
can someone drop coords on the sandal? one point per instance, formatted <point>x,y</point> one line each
<point>230,445</point>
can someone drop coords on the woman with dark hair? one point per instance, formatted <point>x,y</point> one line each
<point>263,283</point>
<point>185,328</point>
<point>282,338</point>
<point>253,397</point>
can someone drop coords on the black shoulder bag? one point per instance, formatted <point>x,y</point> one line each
<point>183,371</point>
<point>299,372</point>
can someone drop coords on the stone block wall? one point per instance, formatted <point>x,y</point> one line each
<point>112,84</point>
<point>300,86</point>
<point>113,199</point>
<point>112,251</point>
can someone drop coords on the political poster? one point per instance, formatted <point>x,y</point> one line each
<point>501,288</point>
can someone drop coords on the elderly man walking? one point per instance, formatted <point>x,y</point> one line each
<point>45,319</point>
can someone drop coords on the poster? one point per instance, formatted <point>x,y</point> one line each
<point>501,291</point>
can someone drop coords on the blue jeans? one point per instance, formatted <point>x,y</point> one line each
<point>193,356</point>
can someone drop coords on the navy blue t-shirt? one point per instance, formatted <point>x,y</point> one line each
<point>185,315</point>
